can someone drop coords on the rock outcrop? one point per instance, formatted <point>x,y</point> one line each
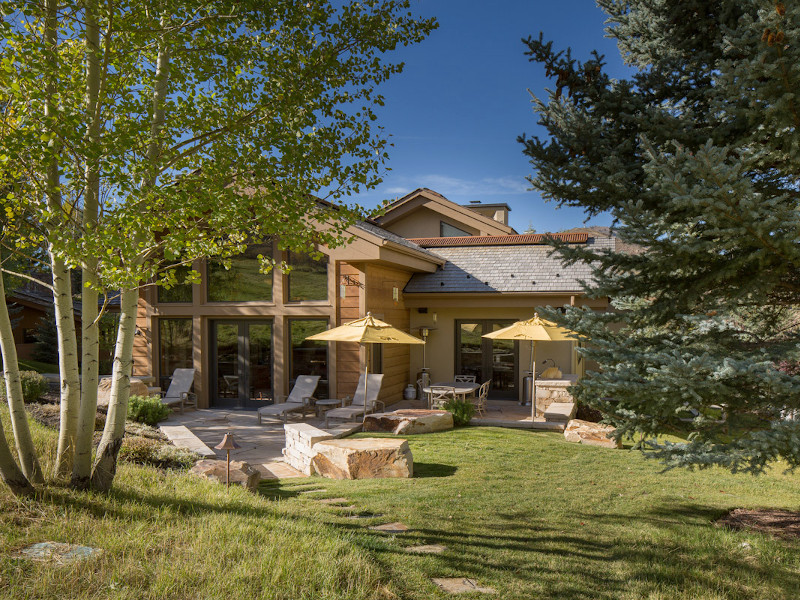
<point>410,421</point>
<point>365,458</point>
<point>241,473</point>
<point>138,388</point>
<point>594,434</point>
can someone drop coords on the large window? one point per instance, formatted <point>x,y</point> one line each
<point>447,230</point>
<point>308,279</point>
<point>309,357</point>
<point>174,347</point>
<point>244,281</point>
<point>182,292</point>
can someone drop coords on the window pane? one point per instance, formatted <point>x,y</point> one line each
<point>243,282</point>
<point>260,361</point>
<point>447,230</point>
<point>179,293</point>
<point>471,355</point>
<point>308,279</point>
<point>309,357</point>
<point>174,347</point>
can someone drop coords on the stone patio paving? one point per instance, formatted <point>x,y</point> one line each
<point>262,445</point>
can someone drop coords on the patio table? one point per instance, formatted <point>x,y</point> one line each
<point>462,388</point>
<point>325,404</point>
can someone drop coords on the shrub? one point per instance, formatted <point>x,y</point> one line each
<point>34,386</point>
<point>463,411</point>
<point>154,453</point>
<point>147,409</point>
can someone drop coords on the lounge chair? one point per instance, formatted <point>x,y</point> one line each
<point>179,389</point>
<point>300,399</point>
<point>360,404</point>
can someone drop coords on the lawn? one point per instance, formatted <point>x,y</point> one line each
<point>524,513</point>
<point>26,364</point>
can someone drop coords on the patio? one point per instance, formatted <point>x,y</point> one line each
<point>262,445</point>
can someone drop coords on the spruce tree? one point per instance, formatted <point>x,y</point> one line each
<point>696,156</point>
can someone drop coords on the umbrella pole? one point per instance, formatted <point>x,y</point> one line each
<point>533,372</point>
<point>366,383</point>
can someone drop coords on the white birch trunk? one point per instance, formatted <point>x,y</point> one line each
<point>31,471</point>
<point>67,366</point>
<point>105,466</point>
<point>82,466</point>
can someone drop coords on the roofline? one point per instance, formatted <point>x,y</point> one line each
<point>487,205</point>
<point>433,195</point>
<point>379,241</point>
<point>524,239</point>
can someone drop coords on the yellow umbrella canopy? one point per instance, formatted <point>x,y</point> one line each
<point>366,330</point>
<point>533,330</point>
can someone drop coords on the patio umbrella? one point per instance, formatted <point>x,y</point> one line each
<point>533,330</point>
<point>366,331</point>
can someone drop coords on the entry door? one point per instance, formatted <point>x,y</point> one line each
<point>241,363</point>
<point>495,360</point>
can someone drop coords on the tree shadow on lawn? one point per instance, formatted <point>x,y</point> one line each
<point>422,470</point>
<point>532,558</point>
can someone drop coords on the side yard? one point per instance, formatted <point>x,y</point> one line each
<point>521,512</point>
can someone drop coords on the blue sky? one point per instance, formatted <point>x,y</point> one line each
<point>455,112</point>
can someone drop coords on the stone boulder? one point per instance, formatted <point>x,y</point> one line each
<point>410,421</point>
<point>241,473</point>
<point>138,388</point>
<point>594,434</point>
<point>365,458</point>
<point>560,411</point>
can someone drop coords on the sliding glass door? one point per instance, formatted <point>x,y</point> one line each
<point>486,359</point>
<point>241,363</point>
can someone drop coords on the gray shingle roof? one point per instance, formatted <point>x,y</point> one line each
<point>503,269</point>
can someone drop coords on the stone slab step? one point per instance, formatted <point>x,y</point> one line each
<point>182,437</point>
<point>278,470</point>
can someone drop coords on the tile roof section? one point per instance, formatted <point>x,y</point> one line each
<point>512,268</point>
<point>499,240</point>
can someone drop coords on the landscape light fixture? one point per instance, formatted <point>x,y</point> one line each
<point>227,444</point>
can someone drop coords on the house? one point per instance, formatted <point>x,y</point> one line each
<point>456,270</point>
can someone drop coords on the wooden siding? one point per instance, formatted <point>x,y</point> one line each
<point>381,282</point>
<point>348,355</point>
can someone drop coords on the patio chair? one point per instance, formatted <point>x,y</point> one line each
<point>300,399</point>
<point>179,390</point>
<point>439,395</point>
<point>420,392</point>
<point>360,404</point>
<point>481,397</point>
<point>464,379</point>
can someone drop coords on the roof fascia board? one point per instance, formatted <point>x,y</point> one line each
<point>423,197</point>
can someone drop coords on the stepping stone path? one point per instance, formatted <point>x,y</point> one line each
<point>332,500</point>
<point>460,585</point>
<point>390,528</point>
<point>426,549</point>
<point>364,516</point>
<point>312,491</point>
<point>57,552</point>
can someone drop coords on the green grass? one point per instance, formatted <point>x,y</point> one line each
<point>34,365</point>
<point>522,512</point>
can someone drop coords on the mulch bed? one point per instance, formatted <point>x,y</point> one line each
<point>779,523</point>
